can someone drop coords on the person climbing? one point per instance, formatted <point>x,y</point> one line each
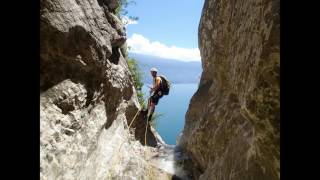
<point>161,87</point>
<point>155,92</point>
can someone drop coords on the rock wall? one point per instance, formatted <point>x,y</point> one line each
<point>232,128</point>
<point>87,98</point>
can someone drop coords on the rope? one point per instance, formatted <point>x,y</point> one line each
<point>145,136</point>
<point>134,117</point>
<point>148,166</point>
<point>145,142</point>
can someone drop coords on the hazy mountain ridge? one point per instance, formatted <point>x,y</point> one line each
<point>176,71</point>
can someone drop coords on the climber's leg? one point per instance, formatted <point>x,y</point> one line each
<point>153,102</point>
<point>151,110</point>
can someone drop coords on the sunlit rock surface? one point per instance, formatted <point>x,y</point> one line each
<point>232,128</point>
<point>87,98</point>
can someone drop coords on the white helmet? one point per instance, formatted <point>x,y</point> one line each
<point>154,69</point>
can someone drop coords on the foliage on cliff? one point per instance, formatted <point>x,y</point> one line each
<point>137,78</point>
<point>122,11</point>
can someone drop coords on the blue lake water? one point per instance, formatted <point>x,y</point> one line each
<point>173,108</point>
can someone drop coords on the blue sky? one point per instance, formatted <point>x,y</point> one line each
<point>166,28</point>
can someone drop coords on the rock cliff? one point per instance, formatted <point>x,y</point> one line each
<point>87,97</point>
<point>232,128</point>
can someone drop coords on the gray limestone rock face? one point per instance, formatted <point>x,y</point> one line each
<point>232,128</point>
<point>87,97</point>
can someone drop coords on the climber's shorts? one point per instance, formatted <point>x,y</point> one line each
<point>155,98</point>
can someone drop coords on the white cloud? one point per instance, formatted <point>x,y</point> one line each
<point>141,45</point>
<point>127,21</point>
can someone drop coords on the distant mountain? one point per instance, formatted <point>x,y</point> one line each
<point>176,71</point>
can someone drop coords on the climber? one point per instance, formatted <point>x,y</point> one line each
<point>155,92</point>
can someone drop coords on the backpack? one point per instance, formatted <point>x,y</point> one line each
<point>165,85</point>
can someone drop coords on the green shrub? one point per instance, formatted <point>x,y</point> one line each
<point>121,9</point>
<point>134,68</point>
<point>155,118</point>
<point>137,78</point>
